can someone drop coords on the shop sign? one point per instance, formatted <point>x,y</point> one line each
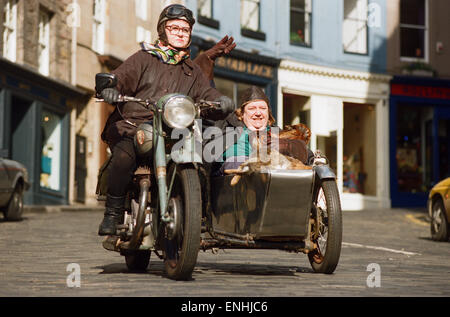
<point>420,91</point>
<point>247,67</point>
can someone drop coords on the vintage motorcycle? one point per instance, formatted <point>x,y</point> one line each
<point>174,209</point>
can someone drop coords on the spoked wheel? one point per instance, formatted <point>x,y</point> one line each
<point>326,229</point>
<point>439,225</point>
<point>182,241</point>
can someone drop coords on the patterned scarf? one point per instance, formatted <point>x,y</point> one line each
<point>166,54</point>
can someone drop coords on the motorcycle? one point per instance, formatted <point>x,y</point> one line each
<point>175,209</point>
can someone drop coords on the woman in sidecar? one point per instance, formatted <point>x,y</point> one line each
<point>284,197</point>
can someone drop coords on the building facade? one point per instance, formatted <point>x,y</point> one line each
<point>36,96</point>
<point>418,58</point>
<point>331,75</point>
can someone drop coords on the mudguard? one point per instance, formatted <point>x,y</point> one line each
<point>324,172</point>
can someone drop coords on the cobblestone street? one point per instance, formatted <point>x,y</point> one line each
<point>36,253</point>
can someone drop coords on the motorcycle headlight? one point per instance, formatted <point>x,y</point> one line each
<point>179,112</point>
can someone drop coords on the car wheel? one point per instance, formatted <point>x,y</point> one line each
<point>14,209</point>
<point>439,223</point>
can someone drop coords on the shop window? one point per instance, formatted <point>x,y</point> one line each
<point>327,145</point>
<point>354,26</point>
<point>413,29</point>
<point>44,42</point>
<point>232,89</point>
<point>98,29</point>
<point>250,19</point>
<point>414,148</point>
<point>205,13</point>
<point>359,157</point>
<point>51,131</point>
<point>10,30</point>
<point>296,109</point>
<point>300,22</point>
<point>141,9</point>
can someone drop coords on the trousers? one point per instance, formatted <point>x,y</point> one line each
<point>122,167</point>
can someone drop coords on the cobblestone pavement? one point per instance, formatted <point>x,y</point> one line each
<point>36,252</point>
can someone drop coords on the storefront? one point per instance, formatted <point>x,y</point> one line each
<point>239,70</point>
<point>347,112</point>
<point>420,138</point>
<point>34,130</point>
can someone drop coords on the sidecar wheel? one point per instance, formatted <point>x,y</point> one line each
<point>138,260</point>
<point>181,252</point>
<point>325,258</point>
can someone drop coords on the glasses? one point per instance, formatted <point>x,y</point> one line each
<point>174,29</point>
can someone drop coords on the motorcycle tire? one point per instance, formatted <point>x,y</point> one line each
<point>181,259</point>
<point>327,201</point>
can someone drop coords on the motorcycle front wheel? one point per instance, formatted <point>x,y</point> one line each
<point>181,250</point>
<point>328,224</point>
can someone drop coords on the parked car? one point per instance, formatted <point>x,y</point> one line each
<point>439,210</point>
<point>13,184</point>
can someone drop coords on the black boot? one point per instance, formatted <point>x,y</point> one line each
<point>113,215</point>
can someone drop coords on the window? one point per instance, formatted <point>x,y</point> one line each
<point>250,15</point>
<point>250,19</point>
<point>204,8</point>
<point>232,89</point>
<point>98,33</point>
<point>354,27</point>
<point>205,13</point>
<point>300,22</point>
<point>143,35</point>
<point>51,151</point>
<point>44,43</point>
<point>413,29</point>
<point>9,29</point>
<point>141,9</point>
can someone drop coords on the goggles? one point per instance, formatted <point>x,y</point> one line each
<point>177,10</point>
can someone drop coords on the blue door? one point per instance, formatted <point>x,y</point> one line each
<point>419,149</point>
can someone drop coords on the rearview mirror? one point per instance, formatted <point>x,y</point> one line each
<point>104,80</point>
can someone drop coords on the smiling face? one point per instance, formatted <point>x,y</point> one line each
<point>178,33</point>
<point>256,115</point>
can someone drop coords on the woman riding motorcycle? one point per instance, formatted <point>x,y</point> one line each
<point>152,72</point>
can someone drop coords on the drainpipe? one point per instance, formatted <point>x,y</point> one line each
<point>73,115</point>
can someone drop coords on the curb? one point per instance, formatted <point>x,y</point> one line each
<point>62,208</point>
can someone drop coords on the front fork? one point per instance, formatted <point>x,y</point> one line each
<point>161,169</point>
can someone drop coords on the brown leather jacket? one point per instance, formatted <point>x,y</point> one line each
<point>144,76</point>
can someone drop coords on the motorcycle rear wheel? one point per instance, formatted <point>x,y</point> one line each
<point>181,252</point>
<point>325,258</point>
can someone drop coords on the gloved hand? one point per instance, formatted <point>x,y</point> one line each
<point>223,47</point>
<point>110,95</point>
<point>226,104</point>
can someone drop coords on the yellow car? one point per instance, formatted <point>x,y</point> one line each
<point>439,210</point>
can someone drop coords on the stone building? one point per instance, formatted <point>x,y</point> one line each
<point>36,94</point>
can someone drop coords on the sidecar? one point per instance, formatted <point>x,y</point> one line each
<point>292,210</point>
